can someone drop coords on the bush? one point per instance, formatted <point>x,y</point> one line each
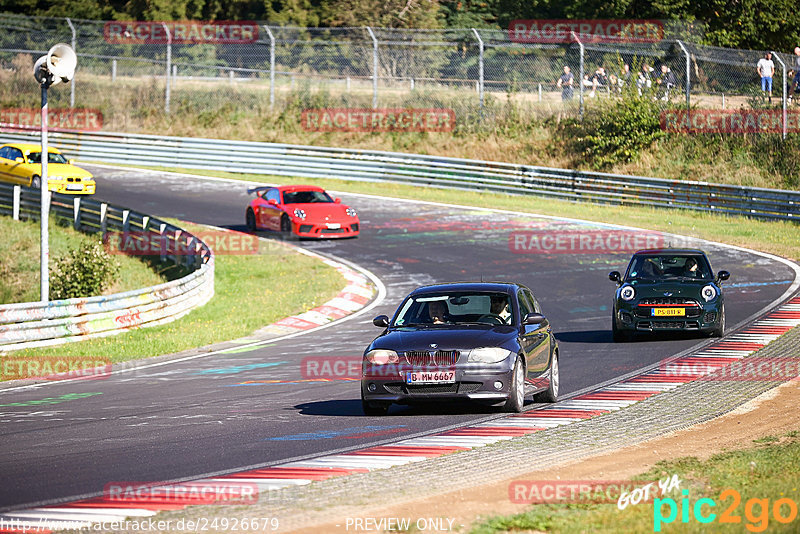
<point>83,272</point>
<point>614,132</point>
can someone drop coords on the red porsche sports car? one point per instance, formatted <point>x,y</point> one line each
<point>302,210</point>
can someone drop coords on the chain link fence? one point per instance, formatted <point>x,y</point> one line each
<point>477,73</point>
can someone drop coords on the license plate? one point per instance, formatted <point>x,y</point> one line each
<point>333,226</point>
<point>74,187</point>
<point>668,312</point>
<point>430,377</point>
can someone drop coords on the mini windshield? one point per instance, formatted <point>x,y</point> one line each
<point>669,266</point>
<point>306,197</point>
<point>52,157</point>
<point>455,308</point>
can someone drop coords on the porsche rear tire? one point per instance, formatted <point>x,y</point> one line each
<point>250,220</point>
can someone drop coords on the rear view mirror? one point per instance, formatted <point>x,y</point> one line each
<point>533,318</point>
<point>614,276</point>
<point>723,275</point>
<point>381,321</point>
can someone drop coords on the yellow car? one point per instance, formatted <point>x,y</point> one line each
<point>21,163</point>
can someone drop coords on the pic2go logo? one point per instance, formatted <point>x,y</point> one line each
<point>756,511</point>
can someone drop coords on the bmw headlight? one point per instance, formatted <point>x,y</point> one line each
<point>627,293</point>
<point>708,293</point>
<point>351,212</point>
<point>488,355</point>
<point>300,214</point>
<point>382,357</point>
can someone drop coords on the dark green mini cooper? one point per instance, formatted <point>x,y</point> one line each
<point>668,289</point>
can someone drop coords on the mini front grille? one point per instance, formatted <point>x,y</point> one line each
<point>710,317</point>
<point>668,301</point>
<point>667,325</point>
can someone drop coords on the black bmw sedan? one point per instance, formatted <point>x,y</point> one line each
<point>484,342</point>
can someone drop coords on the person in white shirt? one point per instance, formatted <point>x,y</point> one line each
<point>766,69</point>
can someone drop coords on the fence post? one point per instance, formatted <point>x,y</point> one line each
<point>784,114</point>
<point>580,74</point>
<point>103,218</point>
<point>76,213</point>
<point>162,246</point>
<point>480,69</point>
<point>72,82</point>
<point>374,68</point>
<point>113,70</point>
<point>688,77</point>
<point>271,65</point>
<point>15,208</point>
<point>169,67</point>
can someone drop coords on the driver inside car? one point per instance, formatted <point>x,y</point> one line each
<point>499,307</point>
<point>437,310</point>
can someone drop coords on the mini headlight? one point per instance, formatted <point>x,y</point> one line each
<point>488,355</point>
<point>300,214</point>
<point>351,212</point>
<point>382,357</point>
<point>627,293</point>
<point>708,292</point>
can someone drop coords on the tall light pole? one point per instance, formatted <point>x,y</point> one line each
<point>57,66</point>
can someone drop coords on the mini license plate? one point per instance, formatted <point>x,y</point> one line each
<point>668,312</point>
<point>430,377</point>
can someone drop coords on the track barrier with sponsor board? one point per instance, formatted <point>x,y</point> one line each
<point>37,324</point>
<point>421,170</point>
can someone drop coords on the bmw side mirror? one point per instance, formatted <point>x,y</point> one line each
<point>381,320</point>
<point>614,276</point>
<point>723,275</point>
<point>19,160</point>
<point>533,318</point>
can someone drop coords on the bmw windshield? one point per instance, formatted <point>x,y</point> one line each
<point>433,310</point>
<point>653,268</point>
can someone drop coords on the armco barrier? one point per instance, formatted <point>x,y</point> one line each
<point>435,171</point>
<point>36,324</point>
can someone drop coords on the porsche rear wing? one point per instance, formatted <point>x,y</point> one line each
<point>257,189</point>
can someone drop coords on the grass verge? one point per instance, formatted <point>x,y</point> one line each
<point>765,473</point>
<point>19,260</point>
<point>775,237</point>
<point>251,291</point>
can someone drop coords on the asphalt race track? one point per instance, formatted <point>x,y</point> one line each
<point>226,412</point>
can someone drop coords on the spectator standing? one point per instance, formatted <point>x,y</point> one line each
<point>565,84</point>
<point>598,79</point>
<point>766,69</point>
<point>645,79</point>
<point>796,79</point>
<point>667,80</point>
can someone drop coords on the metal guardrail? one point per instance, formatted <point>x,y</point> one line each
<point>432,171</point>
<point>36,324</point>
